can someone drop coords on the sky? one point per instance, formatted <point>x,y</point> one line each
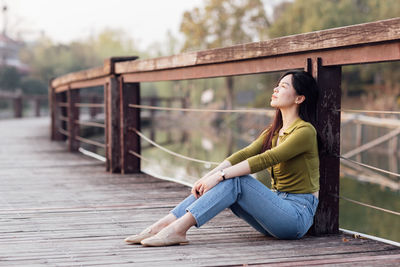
<point>144,21</point>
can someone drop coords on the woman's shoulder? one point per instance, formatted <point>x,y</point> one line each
<point>305,127</point>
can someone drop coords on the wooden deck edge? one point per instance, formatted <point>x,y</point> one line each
<point>375,238</point>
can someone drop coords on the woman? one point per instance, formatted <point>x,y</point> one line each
<point>288,149</point>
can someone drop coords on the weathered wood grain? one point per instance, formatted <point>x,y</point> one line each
<point>367,33</point>
<point>63,209</point>
<point>89,74</point>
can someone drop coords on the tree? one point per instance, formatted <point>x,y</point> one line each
<point>9,78</point>
<point>47,59</point>
<point>302,16</point>
<point>223,23</point>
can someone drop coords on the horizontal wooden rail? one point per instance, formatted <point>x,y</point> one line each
<point>90,74</point>
<point>338,46</point>
<point>326,41</point>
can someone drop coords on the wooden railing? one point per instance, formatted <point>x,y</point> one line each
<point>321,53</point>
<point>18,98</point>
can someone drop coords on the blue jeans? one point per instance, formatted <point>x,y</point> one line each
<point>279,214</point>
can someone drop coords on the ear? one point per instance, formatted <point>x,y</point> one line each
<point>300,99</point>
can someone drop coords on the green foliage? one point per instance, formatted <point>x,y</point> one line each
<point>33,86</point>
<point>303,16</point>
<point>9,78</point>
<point>224,22</point>
<point>47,59</point>
<point>311,15</point>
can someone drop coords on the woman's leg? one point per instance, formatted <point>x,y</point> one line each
<point>244,215</point>
<point>280,214</point>
<point>177,212</point>
<point>286,216</point>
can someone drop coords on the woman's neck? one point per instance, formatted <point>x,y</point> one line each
<point>288,117</point>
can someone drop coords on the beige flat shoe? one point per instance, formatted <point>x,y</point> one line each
<point>160,240</point>
<point>136,239</point>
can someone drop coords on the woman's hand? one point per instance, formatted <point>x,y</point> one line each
<point>205,184</point>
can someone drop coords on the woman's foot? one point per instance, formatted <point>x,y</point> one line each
<point>173,234</point>
<point>152,230</point>
<point>166,237</point>
<point>136,239</point>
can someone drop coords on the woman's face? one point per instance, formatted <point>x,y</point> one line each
<point>284,95</point>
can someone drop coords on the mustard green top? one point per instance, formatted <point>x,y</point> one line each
<point>294,161</point>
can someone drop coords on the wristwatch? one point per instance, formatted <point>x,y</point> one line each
<point>222,173</point>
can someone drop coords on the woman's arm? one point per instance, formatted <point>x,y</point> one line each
<point>297,143</point>
<point>221,166</point>
<point>209,181</point>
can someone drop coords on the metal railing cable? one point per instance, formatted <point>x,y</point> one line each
<point>89,105</point>
<point>90,142</point>
<point>161,176</point>
<point>368,111</point>
<point>259,111</point>
<point>367,205</point>
<point>169,151</point>
<point>90,123</point>
<point>340,197</point>
<point>369,166</point>
<point>63,132</point>
<point>203,110</point>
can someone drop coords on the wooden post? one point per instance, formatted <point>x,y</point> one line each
<point>57,111</point>
<point>37,107</point>
<point>63,111</point>
<point>54,135</point>
<point>129,118</point>
<point>112,111</point>
<point>73,115</point>
<point>326,221</point>
<point>18,106</point>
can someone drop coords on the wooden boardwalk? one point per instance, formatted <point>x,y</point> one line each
<point>63,209</point>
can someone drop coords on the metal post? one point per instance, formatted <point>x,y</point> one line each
<point>326,220</point>
<point>73,115</point>
<point>129,118</point>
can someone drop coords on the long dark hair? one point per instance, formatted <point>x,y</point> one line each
<point>304,84</point>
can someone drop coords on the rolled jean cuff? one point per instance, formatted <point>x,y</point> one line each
<point>195,216</point>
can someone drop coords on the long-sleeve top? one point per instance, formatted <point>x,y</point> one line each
<point>293,163</point>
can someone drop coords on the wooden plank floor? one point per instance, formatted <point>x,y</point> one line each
<point>63,209</point>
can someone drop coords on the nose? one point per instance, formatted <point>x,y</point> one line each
<point>276,89</point>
